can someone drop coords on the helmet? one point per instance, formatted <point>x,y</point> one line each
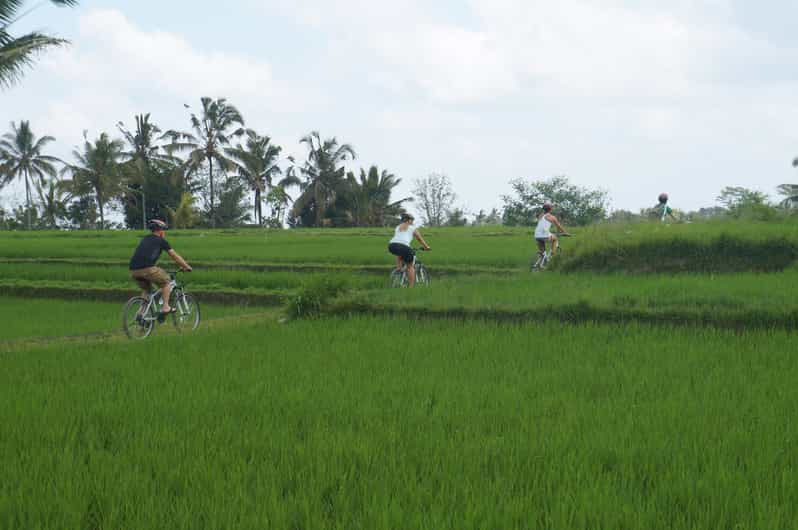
<point>157,224</point>
<point>547,206</point>
<point>407,217</point>
<point>663,198</point>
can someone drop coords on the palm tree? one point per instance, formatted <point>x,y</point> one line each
<point>323,173</point>
<point>369,197</point>
<point>21,157</point>
<point>54,197</point>
<point>258,164</point>
<point>143,150</point>
<point>17,53</point>
<point>97,171</point>
<point>212,133</point>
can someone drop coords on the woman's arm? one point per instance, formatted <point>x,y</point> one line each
<point>557,224</point>
<point>420,239</point>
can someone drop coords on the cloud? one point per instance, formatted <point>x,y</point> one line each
<point>111,50</point>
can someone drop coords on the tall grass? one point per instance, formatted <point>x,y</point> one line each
<point>398,424</point>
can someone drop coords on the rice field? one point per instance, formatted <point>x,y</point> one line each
<point>496,398</point>
<point>372,423</point>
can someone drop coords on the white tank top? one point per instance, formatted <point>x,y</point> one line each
<point>543,230</point>
<point>404,238</point>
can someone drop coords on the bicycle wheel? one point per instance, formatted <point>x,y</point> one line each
<point>397,279</point>
<point>135,322</point>
<point>187,315</point>
<point>422,276</point>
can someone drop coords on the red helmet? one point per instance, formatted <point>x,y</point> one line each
<point>663,198</point>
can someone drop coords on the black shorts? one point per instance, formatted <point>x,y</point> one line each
<point>407,254</point>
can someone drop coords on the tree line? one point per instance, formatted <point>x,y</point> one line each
<point>217,173</point>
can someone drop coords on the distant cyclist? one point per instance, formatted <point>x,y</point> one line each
<point>400,246</point>
<point>663,210</point>
<point>543,230</point>
<point>142,264</point>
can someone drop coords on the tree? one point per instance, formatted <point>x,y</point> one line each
<point>324,174</point>
<point>21,157</point>
<point>790,193</point>
<point>151,175</point>
<point>54,198</point>
<point>456,217</point>
<point>278,201</point>
<point>573,205</point>
<point>232,209</point>
<point>185,215</point>
<point>367,199</point>
<point>213,129</point>
<point>435,197</point>
<point>17,53</point>
<point>488,219</point>
<point>257,162</point>
<point>97,171</point>
<point>741,202</point>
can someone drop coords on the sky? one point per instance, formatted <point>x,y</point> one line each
<point>634,97</point>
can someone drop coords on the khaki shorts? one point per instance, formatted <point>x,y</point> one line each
<point>146,277</point>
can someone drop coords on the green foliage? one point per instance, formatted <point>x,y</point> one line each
<point>18,53</point>
<point>314,296</point>
<point>205,148</point>
<point>324,175</point>
<point>377,423</point>
<point>97,172</point>
<point>185,215</point>
<point>742,203</point>
<point>573,205</point>
<point>22,158</point>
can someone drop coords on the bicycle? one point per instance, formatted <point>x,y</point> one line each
<point>398,278</point>
<point>140,314</point>
<point>543,258</point>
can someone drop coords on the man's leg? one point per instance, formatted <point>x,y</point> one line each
<point>166,290</point>
<point>398,263</point>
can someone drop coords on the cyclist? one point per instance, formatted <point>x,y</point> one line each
<point>663,210</point>
<point>399,246</point>
<point>543,230</point>
<point>142,264</point>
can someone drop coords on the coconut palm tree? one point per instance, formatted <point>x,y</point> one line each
<point>324,174</point>
<point>257,162</point>
<point>54,196</point>
<point>369,197</point>
<point>17,53</point>
<point>213,130</point>
<point>97,171</point>
<point>21,158</point>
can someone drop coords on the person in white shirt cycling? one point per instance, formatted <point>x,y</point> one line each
<point>543,230</point>
<point>400,247</point>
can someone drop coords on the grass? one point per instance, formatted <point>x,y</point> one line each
<point>643,247</point>
<point>491,246</point>
<point>42,318</point>
<point>207,279</point>
<point>528,291</point>
<point>373,423</point>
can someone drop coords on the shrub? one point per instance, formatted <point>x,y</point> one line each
<point>314,296</point>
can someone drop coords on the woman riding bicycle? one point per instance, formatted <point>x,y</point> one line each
<point>400,247</point>
<point>543,230</point>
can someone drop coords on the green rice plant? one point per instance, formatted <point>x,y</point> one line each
<point>314,296</point>
<point>396,423</point>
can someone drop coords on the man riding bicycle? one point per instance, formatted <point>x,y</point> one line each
<point>543,230</point>
<point>142,265</point>
<point>400,247</point>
